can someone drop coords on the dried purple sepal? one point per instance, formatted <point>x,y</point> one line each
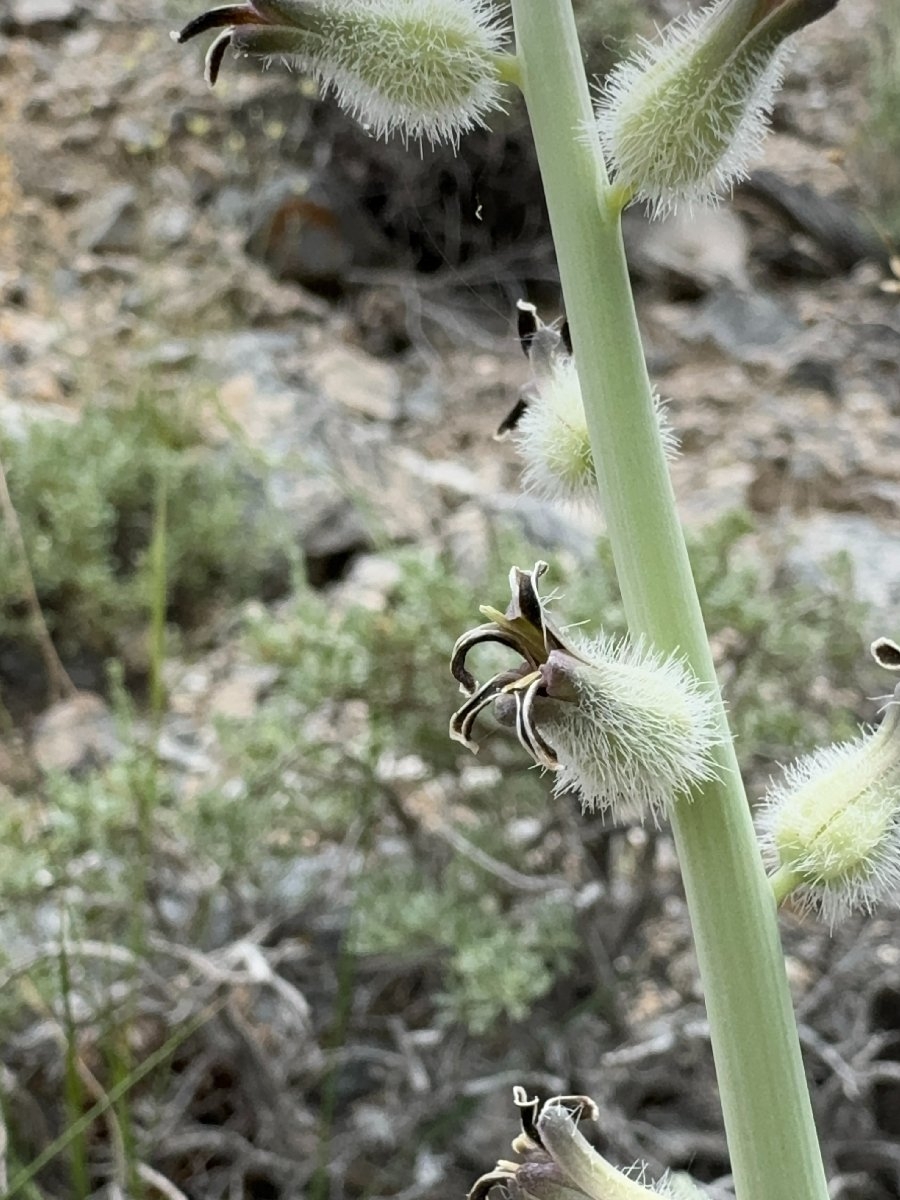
<point>220,18</point>
<point>259,27</point>
<point>526,629</point>
<point>463,719</point>
<point>215,54</point>
<point>480,635</point>
<point>515,415</point>
<point>564,1166</point>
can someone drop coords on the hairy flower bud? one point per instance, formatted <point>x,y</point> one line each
<point>831,827</point>
<point>549,424</point>
<point>637,730</point>
<point>680,121</point>
<point>625,728</point>
<point>428,68</point>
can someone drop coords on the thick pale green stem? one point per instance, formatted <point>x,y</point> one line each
<point>768,1118</point>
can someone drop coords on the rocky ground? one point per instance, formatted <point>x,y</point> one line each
<point>344,309</point>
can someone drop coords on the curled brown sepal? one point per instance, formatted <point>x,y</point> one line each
<point>789,16</point>
<point>886,653</point>
<point>525,629</point>
<point>545,346</point>
<point>256,27</point>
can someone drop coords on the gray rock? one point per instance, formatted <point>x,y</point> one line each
<point>294,883</point>
<point>467,536</point>
<point>75,735</point>
<point>18,416</point>
<point>170,353</point>
<point>297,233</point>
<point>690,255</point>
<point>544,524</point>
<point>170,225</point>
<point>81,135</point>
<point>873,550</point>
<point>808,232</point>
<point>137,136</point>
<point>109,224</point>
<point>816,373</point>
<point>332,533</point>
<point>238,696</point>
<point>38,18</point>
<point>745,325</point>
<point>452,480</point>
<point>178,747</point>
<point>351,378</point>
<point>258,394</point>
<point>369,583</point>
<point>311,230</point>
<point>261,350</point>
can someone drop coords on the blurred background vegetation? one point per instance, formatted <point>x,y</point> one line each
<point>267,932</point>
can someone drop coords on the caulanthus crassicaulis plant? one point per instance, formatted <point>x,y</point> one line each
<point>636,728</point>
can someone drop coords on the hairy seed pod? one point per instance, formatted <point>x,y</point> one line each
<point>832,824</point>
<point>682,119</point>
<point>636,732</point>
<point>426,68</point>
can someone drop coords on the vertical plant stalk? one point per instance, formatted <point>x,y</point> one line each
<point>60,685</point>
<point>768,1117</point>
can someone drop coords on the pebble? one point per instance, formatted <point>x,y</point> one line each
<point>39,18</point>
<point>170,224</point>
<point>354,380</point>
<point>75,735</point>
<point>746,325</point>
<point>109,224</point>
<point>874,552</point>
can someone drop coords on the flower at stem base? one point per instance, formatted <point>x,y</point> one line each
<point>429,68</point>
<point>627,729</point>
<point>560,1164</point>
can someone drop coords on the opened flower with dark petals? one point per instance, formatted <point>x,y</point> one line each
<point>560,1164</point>
<point>626,728</point>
